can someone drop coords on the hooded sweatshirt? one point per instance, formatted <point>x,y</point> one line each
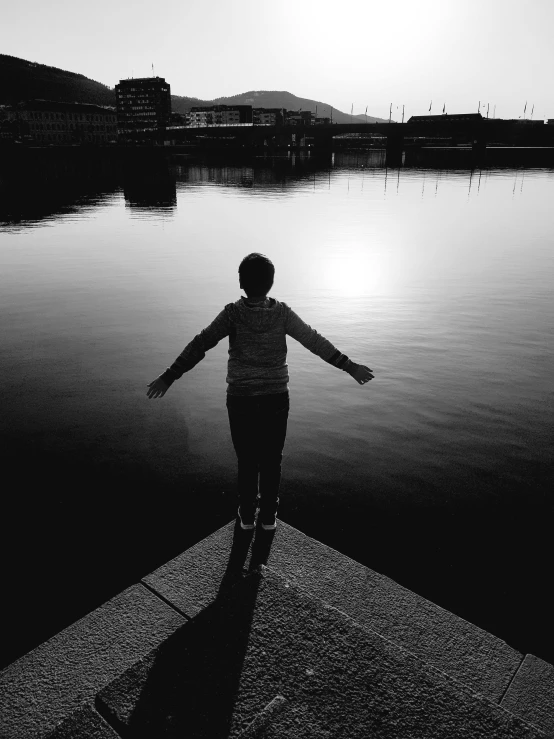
<point>257,347</point>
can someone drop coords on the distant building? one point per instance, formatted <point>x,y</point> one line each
<point>527,121</point>
<point>446,118</point>
<point>51,122</point>
<point>144,102</point>
<point>300,117</point>
<point>9,130</point>
<point>268,116</point>
<point>179,119</point>
<point>322,121</point>
<point>218,115</point>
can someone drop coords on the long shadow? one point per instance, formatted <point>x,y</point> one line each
<point>190,685</point>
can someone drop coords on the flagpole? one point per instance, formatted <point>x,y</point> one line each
<point>390,112</point>
<point>402,114</point>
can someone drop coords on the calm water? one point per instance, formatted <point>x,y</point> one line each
<point>437,473</point>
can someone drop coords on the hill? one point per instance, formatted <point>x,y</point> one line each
<point>283,99</point>
<point>24,80</point>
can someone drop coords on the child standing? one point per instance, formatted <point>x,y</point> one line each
<point>257,378</point>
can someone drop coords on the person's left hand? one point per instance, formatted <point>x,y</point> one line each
<point>361,374</point>
<point>157,388</point>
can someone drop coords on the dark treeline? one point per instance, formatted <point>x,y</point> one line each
<point>23,80</point>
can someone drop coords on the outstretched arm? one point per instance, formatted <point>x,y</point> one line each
<point>193,353</point>
<point>309,338</point>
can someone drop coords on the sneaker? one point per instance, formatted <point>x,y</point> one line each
<point>269,522</point>
<point>246,522</point>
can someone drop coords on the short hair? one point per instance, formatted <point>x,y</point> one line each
<point>256,274</point>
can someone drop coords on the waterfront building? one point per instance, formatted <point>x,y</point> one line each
<point>268,116</point>
<point>144,102</point>
<point>218,115</point>
<point>179,119</point>
<point>528,121</point>
<point>322,121</point>
<point>300,117</point>
<point>53,122</point>
<point>446,118</point>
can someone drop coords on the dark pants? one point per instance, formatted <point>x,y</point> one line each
<point>258,430</point>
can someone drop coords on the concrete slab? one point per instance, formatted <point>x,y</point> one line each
<point>264,642</point>
<point>193,579</point>
<point>531,693</point>
<point>50,683</point>
<point>85,723</point>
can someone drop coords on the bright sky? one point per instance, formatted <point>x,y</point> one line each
<point>359,52</point>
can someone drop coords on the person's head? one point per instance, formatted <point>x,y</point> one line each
<point>256,273</point>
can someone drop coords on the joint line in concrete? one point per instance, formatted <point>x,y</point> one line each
<point>165,600</point>
<point>511,681</point>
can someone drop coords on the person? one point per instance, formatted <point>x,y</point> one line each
<point>257,382</point>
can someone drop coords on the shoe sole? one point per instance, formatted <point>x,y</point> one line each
<point>246,526</point>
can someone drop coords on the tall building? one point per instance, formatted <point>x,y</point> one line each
<point>143,103</point>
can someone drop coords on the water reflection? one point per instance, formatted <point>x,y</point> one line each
<point>263,172</point>
<point>439,279</point>
<point>48,185</point>
<point>147,189</point>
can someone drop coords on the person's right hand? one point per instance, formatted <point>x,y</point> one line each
<point>361,373</point>
<point>157,388</point>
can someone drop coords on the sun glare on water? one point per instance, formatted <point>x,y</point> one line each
<point>355,274</point>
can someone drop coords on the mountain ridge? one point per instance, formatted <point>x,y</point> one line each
<point>21,79</point>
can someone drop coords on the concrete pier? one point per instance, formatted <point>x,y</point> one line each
<point>273,635</point>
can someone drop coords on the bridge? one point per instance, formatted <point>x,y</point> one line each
<point>476,131</point>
